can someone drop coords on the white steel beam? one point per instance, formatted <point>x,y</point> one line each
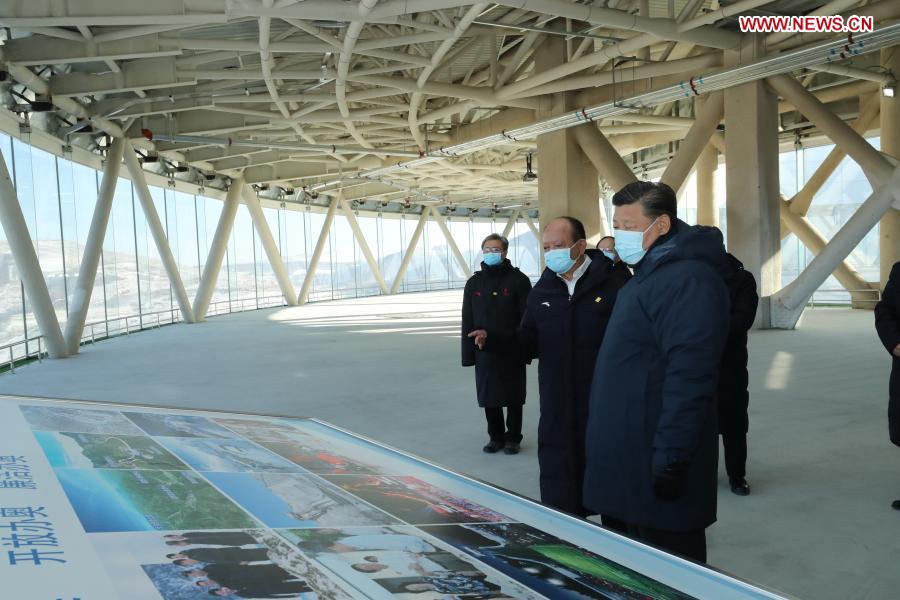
<point>708,116</point>
<point>80,298</point>
<point>408,255</point>
<point>537,238</point>
<point>788,303</point>
<point>460,259</point>
<point>317,253</point>
<point>268,242</point>
<point>38,50</point>
<point>876,167</point>
<point>802,200</point>
<point>217,250</point>
<point>363,245</point>
<point>510,223</point>
<point>25,257</point>
<point>158,232</point>
<point>603,155</point>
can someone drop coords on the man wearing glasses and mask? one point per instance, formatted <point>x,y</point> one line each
<point>495,297</point>
<point>563,327</point>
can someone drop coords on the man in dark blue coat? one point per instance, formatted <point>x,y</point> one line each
<point>495,297</point>
<point>652,453</point>
<point>563,327</point>
<point>887,323</point>
<point>733,393</point>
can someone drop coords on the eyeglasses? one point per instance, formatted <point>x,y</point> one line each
<point>492,250</point>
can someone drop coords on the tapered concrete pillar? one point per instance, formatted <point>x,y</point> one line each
<point>751,170</point>
<point>14,226</point>
<point>707,204</point>
<point>889,227</point>
<point>567,181</point>
<point>80,299</point>
<point>251,201</point>
<point>217,250</point>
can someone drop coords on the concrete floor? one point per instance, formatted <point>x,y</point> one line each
<point>823,473</point>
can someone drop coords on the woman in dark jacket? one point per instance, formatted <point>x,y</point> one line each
<point>887,323</point>
<point>495,297</point>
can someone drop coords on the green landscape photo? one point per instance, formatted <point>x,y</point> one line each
<point>106,451</point>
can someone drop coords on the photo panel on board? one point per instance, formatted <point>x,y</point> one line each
<point>199,565</point>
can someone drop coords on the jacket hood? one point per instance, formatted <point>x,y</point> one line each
<point>688,242</point>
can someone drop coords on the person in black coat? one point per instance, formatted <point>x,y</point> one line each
<point>563,327</point>
<point>652,454</point>
<point>733,395</point>
<point>887,323</point>
<point>495,297</point>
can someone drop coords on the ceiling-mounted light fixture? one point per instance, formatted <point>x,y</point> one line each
<point>888,90</point>
<point>529,175</point>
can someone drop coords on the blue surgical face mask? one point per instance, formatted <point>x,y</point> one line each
<point>559,260</point>
<point>609,254</point>
<point>492,259</point>
<point>630,244</point>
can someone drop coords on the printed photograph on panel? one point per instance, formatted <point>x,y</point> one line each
<point>209,454</point>
<point>286,500</point>
<point>178,425</point>
<point>199,565</point>
<point>105,451</point>
<point>258,429</point>
<point>80,420</point>
<point>549,565</point>
<point>401,562</point>
<point>109,500</point>
<point>415,501</point>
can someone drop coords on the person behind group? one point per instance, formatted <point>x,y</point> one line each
<point>607,245</point>
<point>563,327</point>
<point>887,323</point>
<point>652,451</point>
<point>495,298</point>
<point>733,395</point>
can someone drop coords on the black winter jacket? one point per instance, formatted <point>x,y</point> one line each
<point>565,334</point>
<point>495,298</point>
<point>887,323</point>
<point>652,405</point>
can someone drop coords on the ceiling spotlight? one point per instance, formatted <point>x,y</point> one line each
<point>529,175</point>
<point>151,157</point>
<point>888,90</point>
<point>182,167</point>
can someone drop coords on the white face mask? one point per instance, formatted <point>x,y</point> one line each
<point>630,244</point>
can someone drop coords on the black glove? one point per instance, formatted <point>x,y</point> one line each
<point>668,483</point>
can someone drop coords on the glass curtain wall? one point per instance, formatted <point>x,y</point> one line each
<point>132,289</point>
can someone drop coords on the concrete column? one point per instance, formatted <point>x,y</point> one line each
<point>16,229</point>
<point>603,155</point>
<point>364,245</point>
<point>889,226</point>
<point>567,181</point>
<point>707,203</point>
<point>510,223</point>
<point>317,253</point>
<point>158,232</point>
<point>217,250</point>
<point>709,114</point>
<point>268,242</point>
<point>80,299</point>
<point>751,169</point>
<point>460,259</point>
<point>408,255</point>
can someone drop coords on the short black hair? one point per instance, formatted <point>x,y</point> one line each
<point>656,198</point>
<point>496,237</point>
<point>578,231</point>
<point>606,237</point>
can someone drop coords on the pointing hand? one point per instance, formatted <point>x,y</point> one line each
<point>480,336</point>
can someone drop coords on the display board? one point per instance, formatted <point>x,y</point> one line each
<point>102,502</point>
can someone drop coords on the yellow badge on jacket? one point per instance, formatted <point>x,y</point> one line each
<point>598,299</point>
